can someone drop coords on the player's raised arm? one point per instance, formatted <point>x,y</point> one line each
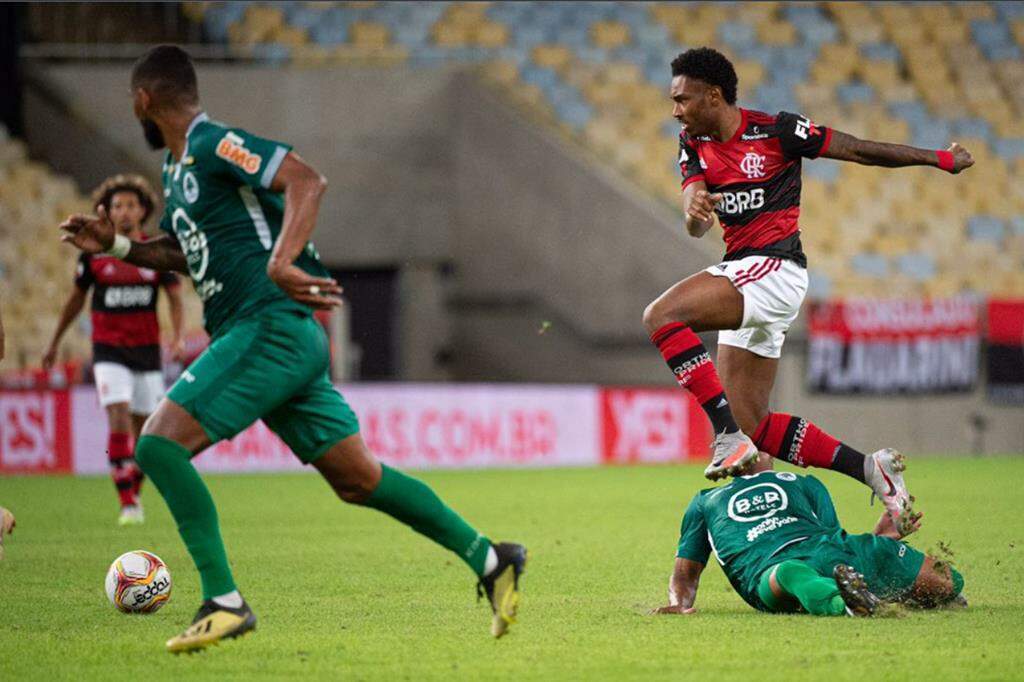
<point>96,234</point>
<point>682,587</point>
<point>303,188</point>
<point>845,147</point>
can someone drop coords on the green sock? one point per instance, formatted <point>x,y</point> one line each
<point>168,465</point>
<point>413,503</point>
<point>817,594</point>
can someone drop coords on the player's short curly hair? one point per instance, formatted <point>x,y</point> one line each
<point>104,194</point>
<point>708,65</point>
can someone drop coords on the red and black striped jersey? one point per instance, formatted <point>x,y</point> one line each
<point>757,171</point>
<point>125,329</point>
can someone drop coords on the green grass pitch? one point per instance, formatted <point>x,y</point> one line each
<point>346,593</point>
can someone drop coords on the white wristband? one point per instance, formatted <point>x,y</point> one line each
<point>120,248</point>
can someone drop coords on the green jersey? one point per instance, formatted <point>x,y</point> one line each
<point>220,207</point>
<point>751,520</point>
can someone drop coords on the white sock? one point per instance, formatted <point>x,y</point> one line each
<point>232,600</point>
<point>491,562</point>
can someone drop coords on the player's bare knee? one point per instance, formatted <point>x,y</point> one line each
<point>355,491</point>
<point>657,314</point>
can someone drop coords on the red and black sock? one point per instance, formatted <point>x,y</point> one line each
<point>690,361</point>
<point>122,467</point>
<point>139,477</point>
<point>800,442</point>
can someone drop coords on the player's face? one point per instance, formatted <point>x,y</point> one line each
<point>692,105</point>
<point>150,130</point>
<point>126,212</point>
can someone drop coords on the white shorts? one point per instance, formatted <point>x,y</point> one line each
<point>773,289</point>
<point>116,383</point>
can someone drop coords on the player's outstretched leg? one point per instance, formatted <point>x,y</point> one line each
<point>672,322</point>
<point>358,478</point>
<point>164,452</point>
<point>800,442</point>
<point>789,580</point>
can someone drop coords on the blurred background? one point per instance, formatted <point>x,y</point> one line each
<point>504,190</point>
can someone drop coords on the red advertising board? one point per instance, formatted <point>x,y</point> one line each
<point>35,432</point>
<point>647,425</point>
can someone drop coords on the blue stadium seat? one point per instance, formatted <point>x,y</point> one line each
<point>1009,147</point>
<point>826,170</point>
<point>737,34</point>
<point>219,16</point>
<point>917,266</point>
<point>1016,225</point>
<point>882,52</point>
<point>1009,10</point>
<point>870,265</point>
<point>973,127</point>
<point>819,285</point>
<point>855,92</point>
<point>932,134</point>
<point>986,228</point>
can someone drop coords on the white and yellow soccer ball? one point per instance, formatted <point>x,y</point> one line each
<point>138,582</point>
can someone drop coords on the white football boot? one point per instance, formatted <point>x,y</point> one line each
<point>733,454</point>
<point>131,515</point>
<point>883,472</point>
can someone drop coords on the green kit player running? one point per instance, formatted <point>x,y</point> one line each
<point>240,212</point>
<point>779,542</point>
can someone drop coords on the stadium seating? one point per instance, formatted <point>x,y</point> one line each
<point>37,270</point>
<point>915,73</point>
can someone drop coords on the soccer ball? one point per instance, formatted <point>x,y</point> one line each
<point>138,582</point>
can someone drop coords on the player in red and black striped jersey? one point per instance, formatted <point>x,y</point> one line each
<point>741,170</point>
<point>125,333</point>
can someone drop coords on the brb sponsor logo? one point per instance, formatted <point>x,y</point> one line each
<point>753,165</point>
<point>734,203</point>
<point>127,297</point>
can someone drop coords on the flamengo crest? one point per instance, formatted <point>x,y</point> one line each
<point>753,165</point>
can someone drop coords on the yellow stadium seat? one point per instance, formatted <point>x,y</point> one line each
<point>880,75</point>
<point>288,35</point>
<point>609,34</point>
<point>975,10</point>
<point>451,35</point>
<point>368,34</point>
<point>623,73</point>
<point>500,72</point>
<point>490,34</point>
<point>776,33</point>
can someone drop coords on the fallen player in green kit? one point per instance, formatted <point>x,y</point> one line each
<point>780,544</point>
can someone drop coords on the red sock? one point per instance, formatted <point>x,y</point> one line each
<point>122,467</point>
<point>690,361</point>
<point>795,440</point>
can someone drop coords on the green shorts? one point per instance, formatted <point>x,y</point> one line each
<point>274,367</point>
<point>889,567</point>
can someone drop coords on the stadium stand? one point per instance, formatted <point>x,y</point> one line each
<point>36,268</point>
<point>923,74</point>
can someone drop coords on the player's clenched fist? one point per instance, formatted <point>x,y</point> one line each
<point>702,206</point>
<point>961,158</point>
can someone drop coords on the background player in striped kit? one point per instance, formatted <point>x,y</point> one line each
<point>125,333</point>
<point>741,169</point>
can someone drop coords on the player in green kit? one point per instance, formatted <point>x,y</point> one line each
<point>780,544</point>
<point>239,213</point>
